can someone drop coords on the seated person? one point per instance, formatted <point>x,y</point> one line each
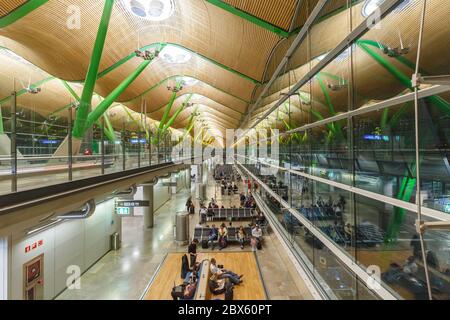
<point>256,237</point>
<point>257,232</point>
<point>260,219</point>
<point>223,236</point>
<point>186,291</point>
<point>242,198</point>
<point>203,214</point>
<point>223,274</point>
<point>410,267</point>
<point>218,286</point>
<point>393,274</point>
<point>241,236</point>
<point>213,236</point>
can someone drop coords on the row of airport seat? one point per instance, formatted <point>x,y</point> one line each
<point>367,234</point>
<point>202,233</point>
<point>318,213</point>
<point>218,214</point>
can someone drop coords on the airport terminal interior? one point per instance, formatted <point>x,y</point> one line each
<point>224,150</point>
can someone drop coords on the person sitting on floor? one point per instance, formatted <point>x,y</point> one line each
<point>410,267</point>
<point>223,273</point>
<point>218,286</point>
<point>223,236</point>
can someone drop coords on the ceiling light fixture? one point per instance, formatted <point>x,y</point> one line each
<point>152,10</point>
<point>188,81</point>
<point>370,6</point>
<point>175,55</point>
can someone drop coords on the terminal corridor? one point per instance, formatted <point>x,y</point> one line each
<point>224,150</point>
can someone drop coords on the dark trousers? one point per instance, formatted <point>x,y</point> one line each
<point>192,259</point>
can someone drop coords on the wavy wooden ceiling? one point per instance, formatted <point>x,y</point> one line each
<point>10,5</point>
<point>42,37</point>
<point>276,12</point>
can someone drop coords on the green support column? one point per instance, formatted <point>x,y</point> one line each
<point>244,15</point>
<point>177,113</point>
<point>71,91</point>
<point>190,124</point>
<point>402,78</point>
<point>24,91</point>
<point>136,122</point>
<point>20,12</point>
<point>80,124</point>
<point>108,101</point>
<point>109,130</point>
<point>384,119</point>
<point>169,107</point>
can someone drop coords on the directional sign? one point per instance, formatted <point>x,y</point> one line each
<point>132,203</point>
<point>121,211</point>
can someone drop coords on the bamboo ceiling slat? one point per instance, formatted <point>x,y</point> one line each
<point>159,70</point>
<point>204,102</point>
<point>159,97</point>
<point>6,6</point>
<point>276,12</point>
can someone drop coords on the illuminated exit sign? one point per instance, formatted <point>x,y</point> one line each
<point>123,211</point>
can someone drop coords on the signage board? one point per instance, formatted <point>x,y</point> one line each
<point>132,203</point>
<point>123,211</point>
<point>169,184</point>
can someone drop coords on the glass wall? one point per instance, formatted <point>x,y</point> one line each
<point>347,148</point>
<point>37,118</point>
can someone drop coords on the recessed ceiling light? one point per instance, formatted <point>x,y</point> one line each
<point>153,10</point>
<point>370,6</point>
<point>173,54</point>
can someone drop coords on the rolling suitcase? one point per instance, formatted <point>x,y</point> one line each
<point>204,244</point>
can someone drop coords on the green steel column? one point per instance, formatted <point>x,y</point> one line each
<point>24,91</point>
<point>69,88</point>
<point>440,103</point>
<point>80,124</point>
<point>25,8</point>
<point>168,107</point>
<point>190,124</point>
<point>244,15</point>
<point>177,113</point>
<point>131,117</point>
<point>384,119</point>
<point>109,126</point>
<point>108,101</point>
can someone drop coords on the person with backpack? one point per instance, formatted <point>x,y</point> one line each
<point>223,236</point>
<point>216,285</point>
<point>222,273</point>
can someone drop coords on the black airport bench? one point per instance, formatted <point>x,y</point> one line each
<point>229,214</point>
